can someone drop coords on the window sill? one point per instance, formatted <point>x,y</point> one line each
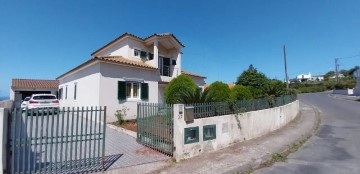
<point>133,99</point>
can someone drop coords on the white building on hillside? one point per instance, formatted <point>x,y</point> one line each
<point>124,72</point>
<point>303,77</point>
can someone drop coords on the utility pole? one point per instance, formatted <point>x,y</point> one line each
<point>336,70</point>
<point>286,74</point>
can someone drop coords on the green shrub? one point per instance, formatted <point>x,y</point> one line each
<point>240,92</point>
<point>197,96</point>
<point>220,91</point>
<point>256,93</point>
<point>177,86</point>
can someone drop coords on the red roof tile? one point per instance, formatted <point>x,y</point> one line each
<point>136,37</point>
<point>122,60</point>
<point>34,83</point>
<point>192,74</point>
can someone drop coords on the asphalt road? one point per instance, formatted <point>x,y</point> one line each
<point>336,146</point>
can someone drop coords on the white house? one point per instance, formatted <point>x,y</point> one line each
<point>318,78</point>
<point>357,88</point>
<point>125,71</point>
<point>303,77</point>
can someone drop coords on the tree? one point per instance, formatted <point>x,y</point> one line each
<point>275,88</point>
<point>220,91</point>
<point>252,78</point>
<point>197,96</point>
<point>352,70</point>
<point>240,92</point>
<point>178,86</point>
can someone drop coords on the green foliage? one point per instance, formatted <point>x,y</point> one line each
<point>256,93</point>
<point>197,96</point>
<point>219,91</point>
<point>120,114</point>
<point>240,92</point>
<point>251,77</point>
<point>275,88</point>
<point>177,86</point>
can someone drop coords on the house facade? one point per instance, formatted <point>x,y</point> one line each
<point>124,72</point>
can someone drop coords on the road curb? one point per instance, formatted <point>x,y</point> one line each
<point>307,135</point>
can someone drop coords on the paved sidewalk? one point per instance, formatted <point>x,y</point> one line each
<point>241,156</point>
<point>346,97</point>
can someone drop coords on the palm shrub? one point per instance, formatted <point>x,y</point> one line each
<point>177,86</point>
<point>197,96</point>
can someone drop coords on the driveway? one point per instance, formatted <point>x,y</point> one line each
<point>336,146</point>
<point>36,137</point>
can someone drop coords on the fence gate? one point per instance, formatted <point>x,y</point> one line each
<point>53,140</point>
<point>155,126</point>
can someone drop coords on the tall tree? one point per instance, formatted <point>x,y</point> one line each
<point>253,78</point>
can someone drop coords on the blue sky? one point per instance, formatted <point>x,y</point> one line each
<point>43,39</point>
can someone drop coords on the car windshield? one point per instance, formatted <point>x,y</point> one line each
<point>44,97</point>
<point>27,99</point>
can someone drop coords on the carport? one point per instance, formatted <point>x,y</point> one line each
<point>21,88</point>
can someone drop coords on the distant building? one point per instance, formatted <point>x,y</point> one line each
<point>317,78</point>
<point>340,76</point>
<point>303,77</point>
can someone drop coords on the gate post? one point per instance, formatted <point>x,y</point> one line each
<point>178,131</point>
<point>4,115</point>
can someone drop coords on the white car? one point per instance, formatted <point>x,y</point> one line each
<point>24,103</point>
<point>42,101</point>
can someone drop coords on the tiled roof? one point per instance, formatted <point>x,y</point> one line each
<point>136,37</point>
<point>192,74</point>
<point>122,60</point>
<point>165,34</point>
<point>34,83</point>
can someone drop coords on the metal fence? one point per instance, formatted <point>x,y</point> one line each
<point>54,140</point>
<point>155,126</point>
<point>202,110</point>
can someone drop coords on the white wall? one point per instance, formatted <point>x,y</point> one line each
<point>88,87</point>
<point>111,74</point>
<point>230,128</point>
<point>198,80</point>
<point>343,91</point>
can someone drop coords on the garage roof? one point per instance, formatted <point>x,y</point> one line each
<point>34,83</point>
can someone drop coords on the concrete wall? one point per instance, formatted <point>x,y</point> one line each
<point>111,74</point>
<point>3,136</point>
<point>88,87</point>
<point>230,128</point>
<point>343,91</point>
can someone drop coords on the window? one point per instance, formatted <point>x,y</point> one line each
<point>191,135</point>
<point>143,55</point>
<point>66,90</point>
<point>173,62</point>
<point>133,90</point>
<point>209,132</point>
<point>60,93</point>
<point>137,53</point>
<point>75,87</point>
<point>164,66</point>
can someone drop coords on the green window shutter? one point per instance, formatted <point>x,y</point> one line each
<point>144,91</point>
<point>121,90</point>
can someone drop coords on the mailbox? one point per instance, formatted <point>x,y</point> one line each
<point>189,114</point>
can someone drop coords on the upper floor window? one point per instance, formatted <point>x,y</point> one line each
<point>137,53</point>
